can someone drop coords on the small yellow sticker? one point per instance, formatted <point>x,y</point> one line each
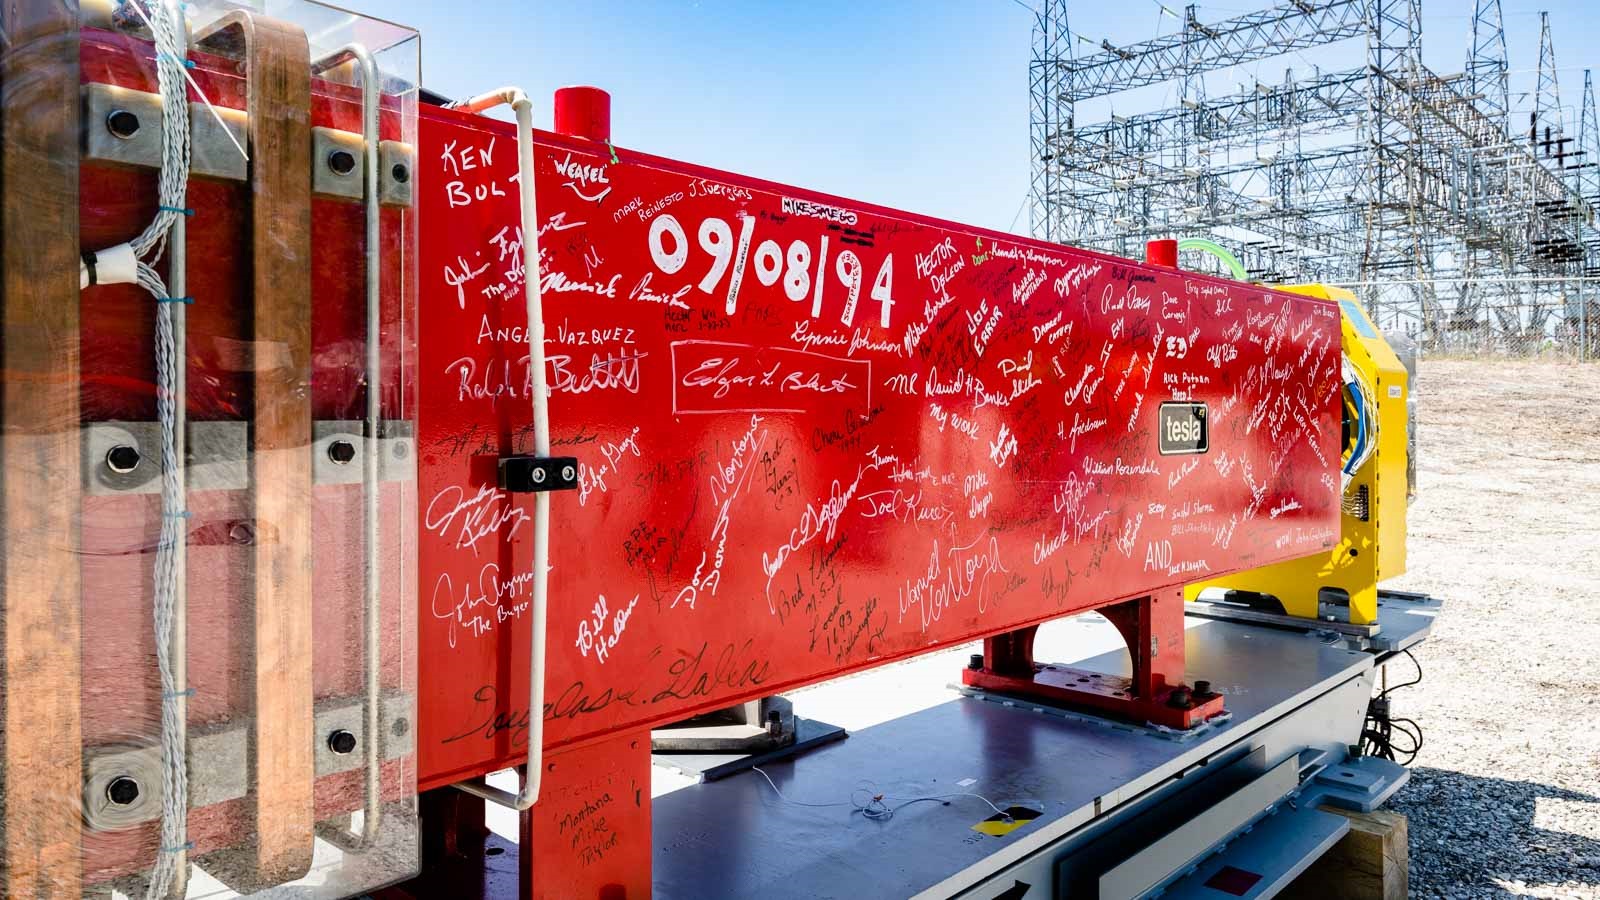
<point>1001,825</point>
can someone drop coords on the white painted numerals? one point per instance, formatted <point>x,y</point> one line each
<point>769,263</point>
<point>848,268</point>
<point>731,259</point>
<point>881,287</point>
<point>717,240</point>
<point>669,263</point>
<point>797,283</point>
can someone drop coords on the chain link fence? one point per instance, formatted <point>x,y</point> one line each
<point>1501,318</point>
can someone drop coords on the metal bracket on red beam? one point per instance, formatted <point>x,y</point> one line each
<point>537,474</point>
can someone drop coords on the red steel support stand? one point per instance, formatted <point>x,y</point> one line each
<point>1152,627</point>
<point>589,834</point>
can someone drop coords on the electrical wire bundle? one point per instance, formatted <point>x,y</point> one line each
<point>135,262</point>
<point>1380,732</point>
<point>873,804</point>
<point>1362,409</point>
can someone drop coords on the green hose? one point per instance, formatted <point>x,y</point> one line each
<point>1217,250</point>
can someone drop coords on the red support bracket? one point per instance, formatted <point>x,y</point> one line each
<point>1152,627</point>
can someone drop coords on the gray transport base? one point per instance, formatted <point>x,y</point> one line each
<point>1290,694</point>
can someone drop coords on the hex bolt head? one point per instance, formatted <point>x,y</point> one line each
<point>342,162</point>
<point>122,124</point>
<point>975,661</point>
<point>774,722</point>
<point>122,791</point>
<point>342,742</point>
<point>341,452</point>
<point>122,459</point>
<point>1202,687</point>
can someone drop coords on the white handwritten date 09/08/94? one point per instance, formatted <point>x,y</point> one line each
<point>669,249</point>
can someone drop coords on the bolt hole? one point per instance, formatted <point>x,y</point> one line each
<point>400,173</point>
<point>400,450</point>
<point>400,727</point>
<point>122,124</point>
<point>342,742</point>
<point>122,459</point>
<point>341,452</point>
<point>122,791</point>
<point>342,162</point>
<point>241,533</point>
<point>1354,552</point>
<point>494,851</point>
<point>1347,774</point>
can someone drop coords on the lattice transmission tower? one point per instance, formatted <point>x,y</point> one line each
<point>1418,189</point>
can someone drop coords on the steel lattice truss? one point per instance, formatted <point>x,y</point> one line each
<point>1416,186</point>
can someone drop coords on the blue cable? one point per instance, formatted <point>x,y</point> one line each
<point>1361,428</point>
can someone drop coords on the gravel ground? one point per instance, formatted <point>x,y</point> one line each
<point>1504,799</point>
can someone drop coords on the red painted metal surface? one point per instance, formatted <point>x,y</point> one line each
<point>816,435</point>
<point>1154,691</point>
<point>582,111</point>
<point>1163,252</point>
<point>589,835</point>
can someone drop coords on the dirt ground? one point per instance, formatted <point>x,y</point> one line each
<point>1505,795</point>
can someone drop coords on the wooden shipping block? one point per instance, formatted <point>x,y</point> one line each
<point>41,745</point>
<point>1369,863</point>
<point>282,759</point>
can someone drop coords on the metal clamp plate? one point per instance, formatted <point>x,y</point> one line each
<point>123,126</point>
<point>338,163</point>
<point>216,134</point>
<point>397,164</point>
<point>337,446</point>
<point>125,457</point>
<point>217,761</point>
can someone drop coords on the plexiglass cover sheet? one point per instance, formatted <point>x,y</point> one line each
<point>207,497</point>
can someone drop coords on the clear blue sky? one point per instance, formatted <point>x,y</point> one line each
<point>916,104</point>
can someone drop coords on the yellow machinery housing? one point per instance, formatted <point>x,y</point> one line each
<point>1372,544</point>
